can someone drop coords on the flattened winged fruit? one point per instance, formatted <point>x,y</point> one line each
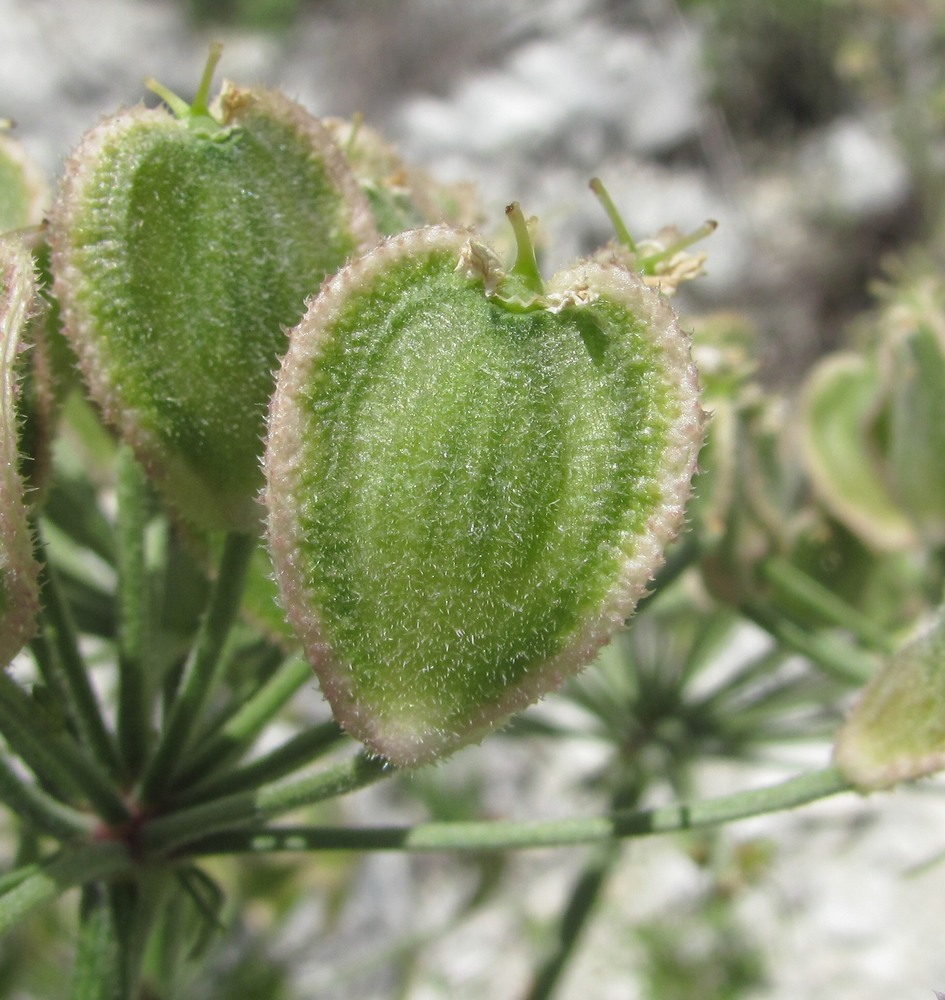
<point>471,478</point>
<point>19,591</point>
<point>184,246</point>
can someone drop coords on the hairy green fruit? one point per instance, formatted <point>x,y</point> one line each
<point>24,195</point>
<point>841,449</point>
<point>183,247</point>
<point>896,730</point>
<point>19,593</point>
<point>471,479</point>
<point>401,196</point>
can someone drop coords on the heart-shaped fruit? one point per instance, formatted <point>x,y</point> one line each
<point>183,247</point>
<point>896,730</point>
<point>19,592</point>
<point>471,479</point>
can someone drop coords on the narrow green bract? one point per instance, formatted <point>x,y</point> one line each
<point>182,255</point>
<point>468,495</point>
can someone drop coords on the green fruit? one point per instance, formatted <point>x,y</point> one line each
<point>896,730</point>
<point>401,196</point>
<point>19,593</point>
<point>842,453</point>
<point>183,248</point>
<point>915,359</point>
<point>471,480</point>
<point>23,191</point>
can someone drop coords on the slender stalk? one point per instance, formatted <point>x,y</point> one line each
<point>165,834</point>
<point>134,624</point>
<point>201,102</point>
<point>204,668</point>
<point>491,836</point>
<point>136,904</point>
<point>68,869</point>
<point>199,110</point>
<point>616,219</point>
<point>580,907</point>
<point>54,756</point>
<point>295,753</point>
<point>795,585</point>
<point>526,264</point>
<point>707,228</point>
<point>47,663</point>
<point>62,641</point>
<point>239,731</point>
<point>40,809</point>
<point>71,505</point>
<point>98,965</point>
<point>11,879</point>
<point>586,893</point>
<point>840,660</point>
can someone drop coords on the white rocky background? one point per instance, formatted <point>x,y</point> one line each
<point>529,99</point>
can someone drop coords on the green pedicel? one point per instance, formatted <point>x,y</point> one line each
<point>19,594</point>
<point>183,248</point>
<point>471,479</point>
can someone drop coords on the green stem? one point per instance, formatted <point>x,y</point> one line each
<point>11,879</point>
<point>201,102</point>
<point>98,966</point>
<point>842,661</point>
<point>134,626</point>
<point>585,894</point>
<point>794,585</point>
<point>648,264</point>
<point>136,903</point>
<point>491,836</point>
<point>205,666</point>
<point>198,112</point>
<point>616,219</point>
<point>47,663</point>
<point>62,641</point>
<point>580,907</point>
<point>71,506</point>
<point>65,871</point>
<point>53,755</point>
<point>40,809</point>
<point>295,753</point>
<point>237,734</point>
<point>526,264</point>
<point>169,832</point>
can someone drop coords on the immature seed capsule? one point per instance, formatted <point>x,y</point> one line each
<point>896,730</point>
<point>183,247</point>
<point>471,479</point>
<point>24,195</point>
<point>401,196</point>
<point>19,593</point>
